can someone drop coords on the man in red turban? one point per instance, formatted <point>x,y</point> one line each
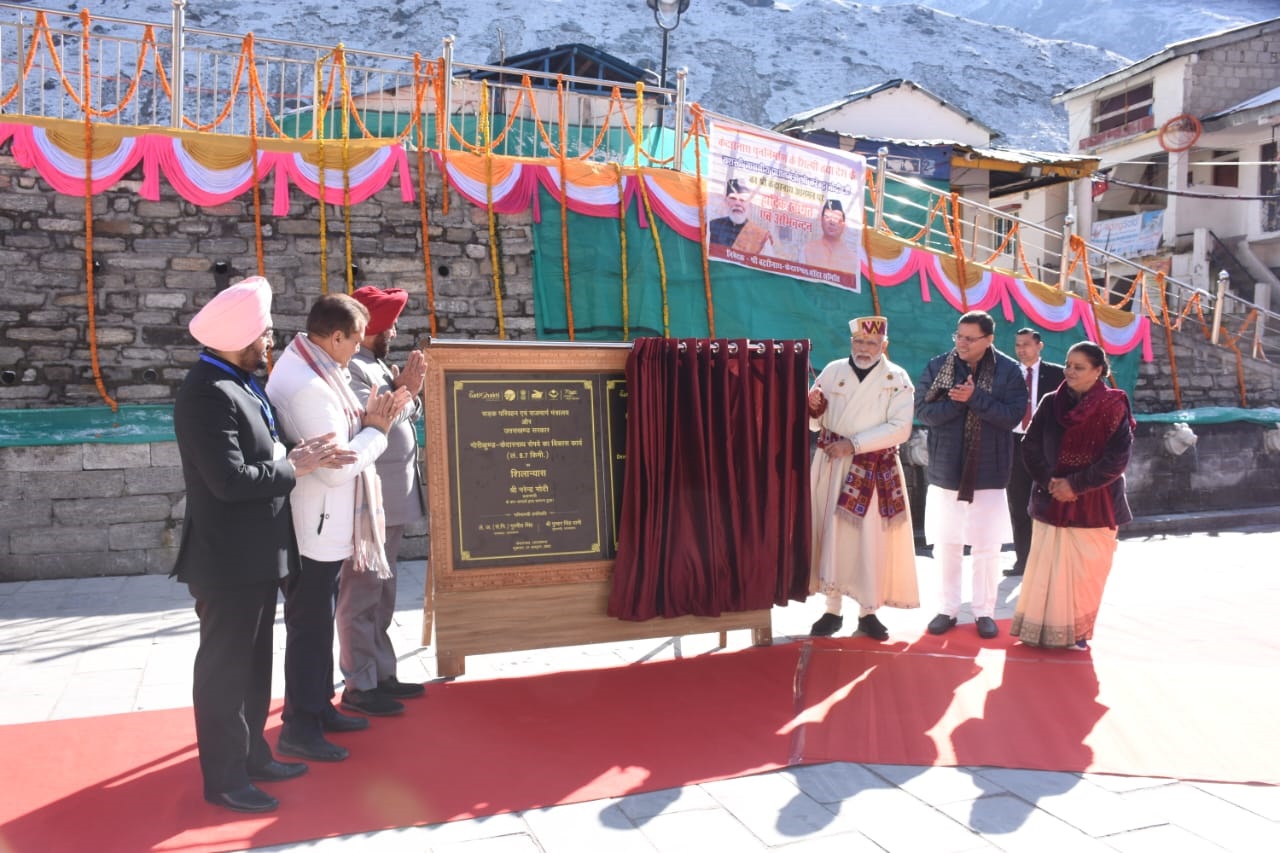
<point>366,603</point>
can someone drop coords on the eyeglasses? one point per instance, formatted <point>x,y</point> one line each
<point>968,339</point>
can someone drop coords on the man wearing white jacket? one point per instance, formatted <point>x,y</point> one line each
<point>337,515</point>
<point>862,545</point>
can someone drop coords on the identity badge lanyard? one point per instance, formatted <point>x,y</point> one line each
<point>252,387</point>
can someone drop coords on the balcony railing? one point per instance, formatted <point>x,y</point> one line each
<point>914,211</point>
<point>115,71</point>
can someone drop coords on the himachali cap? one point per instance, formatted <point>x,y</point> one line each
<point>833,204</point>
<point>234,318</point>
<point>384,306</point>
<point>869,326</point>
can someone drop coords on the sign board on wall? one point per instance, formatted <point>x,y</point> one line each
<point>1128,236</point>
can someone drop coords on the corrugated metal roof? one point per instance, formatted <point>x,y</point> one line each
<point>573,60</point>
<point>1016,156</point>
<point>1259,102</point>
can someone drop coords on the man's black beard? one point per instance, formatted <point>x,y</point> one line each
<point>381,346</point>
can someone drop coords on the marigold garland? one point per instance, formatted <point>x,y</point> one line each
<point>564,206</point>
<point>90,299</point>
<point>419,94</point>
<point>443,123</point>
<point>952,220</point>
<point>653,225</point>
<point>622,247</point>
<point>324,212</point>
<point>495,258</point>
<point>695,127</point>
<point>1168,338</point>
<point>257,180</point>
<point>346,168</point>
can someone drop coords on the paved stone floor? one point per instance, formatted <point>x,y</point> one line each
<point>73,648</point>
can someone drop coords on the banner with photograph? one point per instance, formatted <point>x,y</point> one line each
<point>784,206</point>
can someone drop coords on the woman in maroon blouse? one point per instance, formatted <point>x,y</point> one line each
<point>1077,448</point>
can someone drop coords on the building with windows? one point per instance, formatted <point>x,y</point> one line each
<point>939,144</point>
<point>1187,140</point>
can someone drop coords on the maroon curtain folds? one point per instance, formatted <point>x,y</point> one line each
<point>715,506</point>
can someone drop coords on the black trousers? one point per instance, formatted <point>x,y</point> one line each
<point>231,690</point>
<point>1018,493</point>
<point>308,648</point>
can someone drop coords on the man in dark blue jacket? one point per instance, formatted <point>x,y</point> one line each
<point>970,399</point>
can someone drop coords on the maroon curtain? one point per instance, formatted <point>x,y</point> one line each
<point>715,506</point>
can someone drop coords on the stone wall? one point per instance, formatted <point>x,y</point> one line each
<point>154,264</point>
<point>89,509</point>
<point>84,510</point>
<point>1207,375</point>
<point>1227,469</point>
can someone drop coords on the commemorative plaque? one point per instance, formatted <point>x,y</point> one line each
<point>531,473</point>
<point>525,455</point>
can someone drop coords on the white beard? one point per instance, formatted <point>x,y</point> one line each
<point>863,362</point>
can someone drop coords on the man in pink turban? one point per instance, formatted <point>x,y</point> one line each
<point>236,537</point>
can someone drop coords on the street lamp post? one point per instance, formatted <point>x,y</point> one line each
<point>667,14</point>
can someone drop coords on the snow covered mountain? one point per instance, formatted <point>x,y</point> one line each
<point>757,60</point>
<point>1132,28</point>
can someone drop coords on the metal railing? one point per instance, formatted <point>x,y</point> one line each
<point>115,71</point>
<point>978,233</point>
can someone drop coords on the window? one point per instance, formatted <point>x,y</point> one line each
<point>1118,110</point>
<point>1215,168</point>
<point>1004,225</point>
<point>1226,169</point>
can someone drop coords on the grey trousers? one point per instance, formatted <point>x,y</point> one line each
<point>366,606</point>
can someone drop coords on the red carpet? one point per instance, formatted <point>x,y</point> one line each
<point>130,782</point>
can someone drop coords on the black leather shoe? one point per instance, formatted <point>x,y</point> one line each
<point>318,749</point>
<point>277,771</point>
<point>370,702</point>
<point>941,624</point>
<point>1015,572</point>
<point>334,721</point>
<point>246,799</point>
<point>827,625</point>
<point>397,689</point>
<point>872,627</point>
<point>987,627</point>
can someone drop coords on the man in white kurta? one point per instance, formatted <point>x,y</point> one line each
<point>862,540</point>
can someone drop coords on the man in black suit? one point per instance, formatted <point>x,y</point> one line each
<point>237,539</point>
<point>1041,378</point>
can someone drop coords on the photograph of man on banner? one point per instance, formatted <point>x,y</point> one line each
<point>735,229</point>
<point>831,251</point>
<point>789,207</point>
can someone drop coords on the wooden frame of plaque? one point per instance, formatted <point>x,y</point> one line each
<point>524,453</point>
